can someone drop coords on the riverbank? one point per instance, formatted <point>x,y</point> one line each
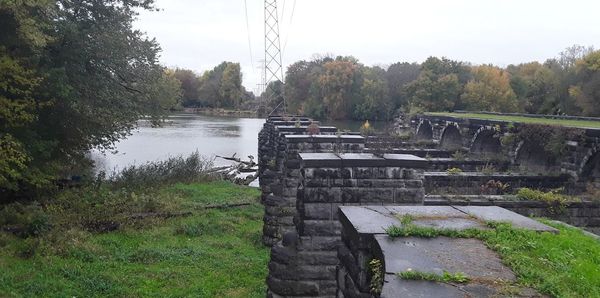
<point>196,239</point>
<point>222,112</point>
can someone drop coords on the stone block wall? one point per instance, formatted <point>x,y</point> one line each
<point>279,166</point>
<point>305,262</point>
<point>470,183</point>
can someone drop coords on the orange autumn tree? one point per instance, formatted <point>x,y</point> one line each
<point>338,84</point>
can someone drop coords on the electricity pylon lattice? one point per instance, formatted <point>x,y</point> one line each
<point>273,67</point>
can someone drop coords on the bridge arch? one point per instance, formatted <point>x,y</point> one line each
<point>424,131</point>
<point>451,138</point>
<point>589,168</point>
<point>533,157</point>
<point>486,141</point>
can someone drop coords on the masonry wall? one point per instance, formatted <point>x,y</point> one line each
<point>305,262</point>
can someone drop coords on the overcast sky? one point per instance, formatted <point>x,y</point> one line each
<point>199,34</point>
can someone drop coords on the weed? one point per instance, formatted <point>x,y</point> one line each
<point>557,201</point>
<point>454,171</point>
<point>193,168</point>
<point>459,155</point>
<point>376,270</point>
<point>445,277</point>
<point>313,129</point>
<point>493,187</point>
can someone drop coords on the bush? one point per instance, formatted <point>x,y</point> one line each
<point>25,220</point>
<point>454,171</point>
<point>557,201</point>
<point>193,168</point>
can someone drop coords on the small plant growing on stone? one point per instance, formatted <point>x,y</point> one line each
<point>272,164</point>
<point>376,268</point>
<point>454,171</point>
<point>557,201</point>
<point>445,277</point>
<point>493,187</point>
<point>297,124</point>
<point>459,155</point>
<point>488,169</point>
<point>366,129</point>
<point>313,129</point>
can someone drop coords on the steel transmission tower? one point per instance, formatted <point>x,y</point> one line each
<point>273,66</point>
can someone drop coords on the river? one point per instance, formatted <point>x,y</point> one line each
<point>184,134</point>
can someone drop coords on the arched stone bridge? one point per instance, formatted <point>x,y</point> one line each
<point>581,159</point>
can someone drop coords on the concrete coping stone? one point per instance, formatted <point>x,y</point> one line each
<point>376,219</point>
<point>321,160</point>
<point>495,213</point>
<point>302,123</point>
<point>324,138</point>
<point>284,128</point>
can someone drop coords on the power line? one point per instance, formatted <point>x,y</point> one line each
<point>248,31</point>
<point>289,27</point>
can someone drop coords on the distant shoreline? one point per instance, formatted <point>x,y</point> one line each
<point>222,112</point>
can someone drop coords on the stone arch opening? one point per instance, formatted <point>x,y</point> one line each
<point>533,157</point>
<point>424,131</point>
<point>590,168</point>
<point>486,142</point>
<point>451,137</point>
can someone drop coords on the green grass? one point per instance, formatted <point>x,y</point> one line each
<point>446,277</point>
<point>522,119</point>
<point>560,265</point>
<point>212,253</point>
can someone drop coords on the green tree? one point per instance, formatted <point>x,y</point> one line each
<point>586,92</point>
<point>398,76</point>
<point>80,77</point>
<point>189,84</point>
<point>230,89</point>
<point>490,90</point>
<point>439,85</point>
<point>374,94</point>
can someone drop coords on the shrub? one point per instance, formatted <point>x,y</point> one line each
<point>366,129</point>
<point>557,201</point>
<point>454,171</point>
<point>193,168</point>
<point>313,129</point>
<point>25,220</point>
<point>493,187</point>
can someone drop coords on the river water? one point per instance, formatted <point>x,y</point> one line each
<point>184,134</point>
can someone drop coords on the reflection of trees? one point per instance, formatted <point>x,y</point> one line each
<point>220,130</point>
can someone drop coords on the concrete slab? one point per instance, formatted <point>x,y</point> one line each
<point>320,160</point>
<point>436,255</point>
<point>369,220</point>
<point>362,160</point>
<point>396,287</point>
<point>405,160</point>
<point>495,213</point>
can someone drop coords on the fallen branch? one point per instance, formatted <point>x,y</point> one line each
<point>224,206</point>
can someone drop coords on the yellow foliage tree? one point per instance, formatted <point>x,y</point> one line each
<point>490,90</point>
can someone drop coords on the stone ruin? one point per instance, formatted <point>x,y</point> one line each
<point>312,183</point>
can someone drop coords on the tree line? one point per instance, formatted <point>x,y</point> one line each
<point>220,87</point>
<point>343,88</point>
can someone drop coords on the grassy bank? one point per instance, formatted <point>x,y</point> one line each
<point>566,264</point>
<point>171,242</point>
<point>522,119</point>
